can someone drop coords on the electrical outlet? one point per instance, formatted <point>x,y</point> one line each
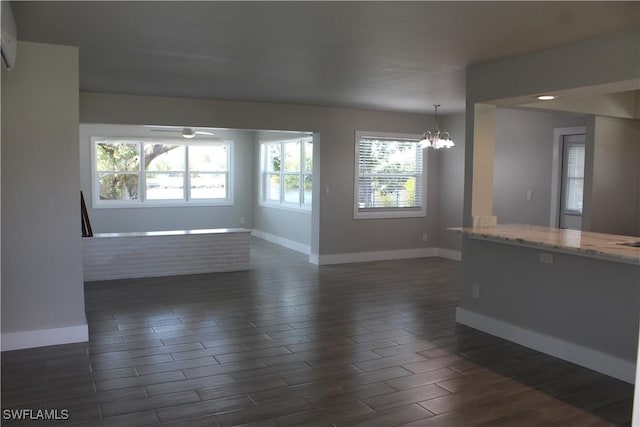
<point>241,220</point>
<point>425,237</point>
<point>475,291</point>
<point>546,258</point>
<point>530,195</point>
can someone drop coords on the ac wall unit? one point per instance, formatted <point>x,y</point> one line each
<point>8,36</point>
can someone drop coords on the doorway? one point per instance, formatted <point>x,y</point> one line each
<point>572,182</point>
<point>567,183</point>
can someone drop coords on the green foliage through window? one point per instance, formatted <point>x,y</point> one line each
<point>129,170</point>
<point>287,171</point>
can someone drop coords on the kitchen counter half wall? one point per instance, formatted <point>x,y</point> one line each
<point>576,242</point>
<point>570,294</point>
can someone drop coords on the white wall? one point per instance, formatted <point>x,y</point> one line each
<point>113,220</point>
<point>336,232</point>
<point>42,286</point>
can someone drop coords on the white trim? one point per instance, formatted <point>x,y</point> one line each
<point>163,204</point>
<point>290,244</point>
<point>290,207</point>
<point>449,254</point>
<point>377,256</point>
<point>390,213</point>
<point>44,337</point>
<point>353,257</point>
<point>556,170</point>
<point>384,256</point>
<point>282,204</point>
<point>574,353</point>
<point>314,259</point>
<point>142,201</point>
<point>636,396</point>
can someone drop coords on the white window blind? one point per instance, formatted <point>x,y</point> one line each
<point>389,176</point>
<point>574,178</point>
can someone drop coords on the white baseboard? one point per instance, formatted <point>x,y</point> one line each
<point>376,256</point>
<point>449,254</point>
<point>574,353</point>
<point>44,337</point>
<point>346,258</point>
<point>289,244</point>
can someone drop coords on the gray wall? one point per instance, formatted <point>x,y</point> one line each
<point>523,162</point>
<point>451,183</point>
<point>568,299</point>
<point>608,61</point>
<point>337,231</point>
<point>112,220</point>
<point>42,254</point>
<point>615,197</point>
<point>290,225</point>
<point>522,292</point>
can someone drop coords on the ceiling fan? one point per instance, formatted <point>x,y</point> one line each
<point>184,132</point>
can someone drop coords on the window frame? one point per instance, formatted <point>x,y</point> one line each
<point>391,212</point>
<point>143,201</point>
<point>301,206</point>
<point>566,178</point>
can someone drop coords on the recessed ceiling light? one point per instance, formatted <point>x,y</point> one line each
<point>546,97</point>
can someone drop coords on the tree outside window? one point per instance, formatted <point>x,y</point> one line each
<point>287,171</point>
<point>134,172</point>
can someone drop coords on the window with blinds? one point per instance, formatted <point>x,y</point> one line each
<point>389,181</point>
<point>574,177</point>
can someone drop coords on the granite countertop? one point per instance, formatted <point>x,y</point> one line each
<point>600,245</point>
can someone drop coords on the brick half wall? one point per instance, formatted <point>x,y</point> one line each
<point>129,255</point>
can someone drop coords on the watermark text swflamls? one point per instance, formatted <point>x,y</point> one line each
<point>35,414</point>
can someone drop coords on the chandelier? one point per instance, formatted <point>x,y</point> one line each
<point>436,139</point>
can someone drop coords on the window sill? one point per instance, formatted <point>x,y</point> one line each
<point>389,215</point>
<point>293,208</point>
<point>163,204</point>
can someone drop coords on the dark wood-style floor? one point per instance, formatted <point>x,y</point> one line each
<point>292,344</point>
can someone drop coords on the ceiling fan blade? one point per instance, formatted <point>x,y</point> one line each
<point>184,132</point>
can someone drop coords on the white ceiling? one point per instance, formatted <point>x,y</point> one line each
<point>398,56</point>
